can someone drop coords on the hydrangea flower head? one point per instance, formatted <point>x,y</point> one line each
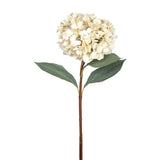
<point>86,37</point>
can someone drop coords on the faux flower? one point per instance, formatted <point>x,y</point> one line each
<point>91,40</point>
<point>86,37</point>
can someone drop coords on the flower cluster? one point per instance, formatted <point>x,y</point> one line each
<point>86,37</point>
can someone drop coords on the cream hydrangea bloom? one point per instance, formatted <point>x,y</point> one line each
<point>86,37</point>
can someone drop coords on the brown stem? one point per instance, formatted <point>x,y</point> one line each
<point>80,113</point>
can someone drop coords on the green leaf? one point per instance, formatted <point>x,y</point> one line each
<point>108,59</point>
<point>105,72</point>
<point>58,71</point>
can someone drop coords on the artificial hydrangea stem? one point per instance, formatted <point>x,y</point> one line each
<point>80,113</point>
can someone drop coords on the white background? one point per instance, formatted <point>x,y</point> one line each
<point>39,113</point>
